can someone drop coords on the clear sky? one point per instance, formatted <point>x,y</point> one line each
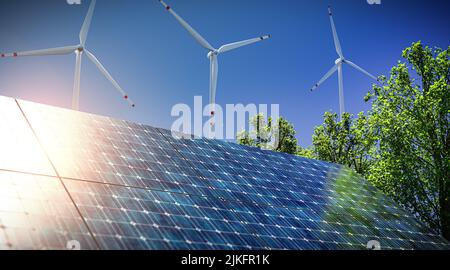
<point>159,64</point>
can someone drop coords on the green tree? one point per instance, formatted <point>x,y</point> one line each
<point>347,142</point>
<point>307,152</point>
<point>261,132</point>
<point>410,119</point>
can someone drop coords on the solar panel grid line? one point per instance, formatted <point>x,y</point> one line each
<point>130,168</point>
<point>128,186</point>
<point>28,173</point>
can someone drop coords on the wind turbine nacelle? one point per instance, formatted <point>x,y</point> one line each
<point>339,61</point>
<point>211,53</point>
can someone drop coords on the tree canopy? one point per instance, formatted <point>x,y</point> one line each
<point>347,142</point>
<point>410,120</point>
<point>260,135</point>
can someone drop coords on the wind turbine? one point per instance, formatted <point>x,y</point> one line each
<point>338,67</point>
<point>78,50</point>
<point>212,52</point>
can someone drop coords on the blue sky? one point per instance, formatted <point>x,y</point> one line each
<point>159,64</point>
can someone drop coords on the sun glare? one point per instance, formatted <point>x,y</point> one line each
<point>19,149</point>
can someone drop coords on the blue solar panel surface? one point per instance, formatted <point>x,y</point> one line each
<point>131,186</point>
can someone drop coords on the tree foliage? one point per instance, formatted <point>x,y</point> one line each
<point>260,134</point>
<point>347,142</point>
<point>410,119</point>
<point>402,145</point>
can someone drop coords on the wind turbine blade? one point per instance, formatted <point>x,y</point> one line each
<point>76,83</point>
<point>53,51</point>
<point>191,30</point>
<point>87,23</point>
<point>360,69</point>
<point>341,91</point>
<point>325,77</point>
<point>108,76</point>
<point>214,66</point>
<point>235,45</point>
<point>337,44</point>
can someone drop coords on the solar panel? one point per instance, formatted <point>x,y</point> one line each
<point>137,187</point>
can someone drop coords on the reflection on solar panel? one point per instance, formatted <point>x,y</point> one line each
<point>19,149</point>
<point>112,184</point>
<point>37,213</point>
